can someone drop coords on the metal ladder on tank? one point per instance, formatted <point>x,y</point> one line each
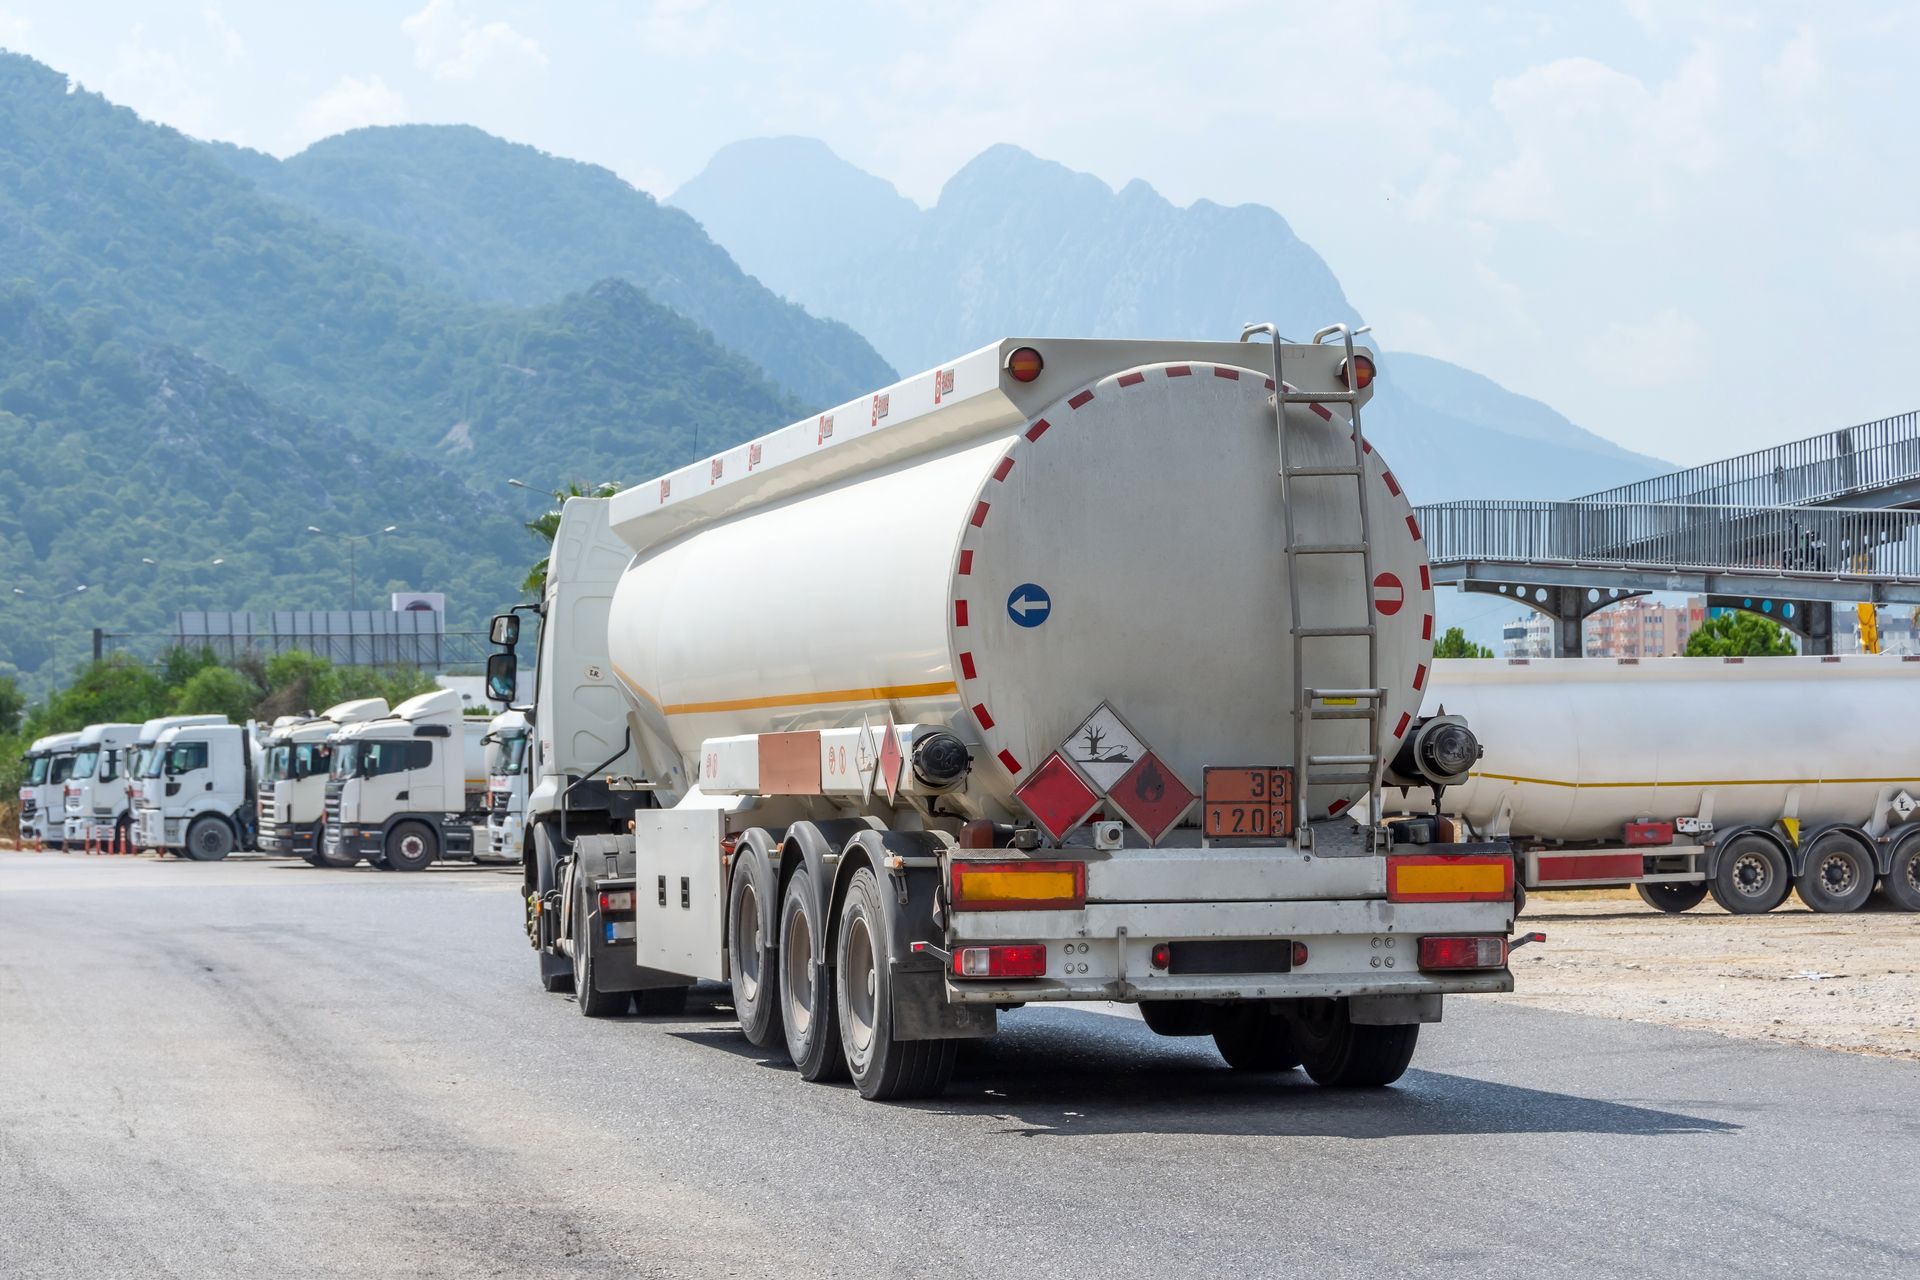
<point>1314,704</point>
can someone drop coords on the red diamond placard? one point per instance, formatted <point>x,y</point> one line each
<point>890,759</point>
<point>1057,797</point>
<point>1151,797</point>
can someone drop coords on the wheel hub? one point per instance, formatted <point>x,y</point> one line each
<point>1750,874</point>
<point>1838,874</point>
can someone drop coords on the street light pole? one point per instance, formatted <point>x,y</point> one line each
<point>353,564</point>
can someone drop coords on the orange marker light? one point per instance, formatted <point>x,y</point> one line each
<point>1362,373</point>
<point>1025,364</point>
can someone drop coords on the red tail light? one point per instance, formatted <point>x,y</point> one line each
<point>621,900</point>
<point>1487,952</point>
<point>1362,373</point>
<point>1025,364</point>
<point>1019,960</point>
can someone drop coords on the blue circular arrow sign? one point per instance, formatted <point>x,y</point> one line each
<point>1029,605</point>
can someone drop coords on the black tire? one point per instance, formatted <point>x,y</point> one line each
<point>1341,1055</point>
<point>209,839</point>
<point>1752,877</point>
<point>1838,876</point>
<point>542,878</point>
<point>752,956</point>
<point>1179,1017</point>
<point>884,1069</point>
<point>411,846</point>
<point>809,1010</point>
<point>593,1002</point>
<point>1902,882</point>
<point>1672,896</point>
<point>661,1002</point>
<point>1254,1037</point>
<point>380,863</point>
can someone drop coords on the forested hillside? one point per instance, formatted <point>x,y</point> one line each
<point>503,222</point>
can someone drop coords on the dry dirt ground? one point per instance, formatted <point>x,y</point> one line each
<point>1831,981</point>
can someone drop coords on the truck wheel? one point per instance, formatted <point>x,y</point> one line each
<point>661,1002</point>
<point>808,1009</point>
<point>1179,1017</point>
<point>751,956</point>
<point>1255,1038</point>
<point>1752,877</point>
<point>411,846</point>
<point>883,1068</point>
<point>1903,877</point>
<point>1838,876</point>
<point>209,839</point>
<point>556,971</point>
<point>1341,1055</point>
<point>1672,896</point>
<point>594,1003</point>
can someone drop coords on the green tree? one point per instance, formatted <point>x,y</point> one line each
<point>217,691</point>
<point>1737,634</point>
<point>1454,644</point>
<point>116,688</point>
<point>547,523</point>
<point>12,704</point>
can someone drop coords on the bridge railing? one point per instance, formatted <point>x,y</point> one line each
<point>1832,465</point>
<point>1866,544</point>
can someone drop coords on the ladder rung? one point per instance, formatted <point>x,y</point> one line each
<point>1339,713</point>
<point>1346,693</point>
<point>1330,633</point>
<point>1320,397</point>
<point>1294,473</point>
<point>1331,549</point>
<point>1313,761</point>
<point>1338,779</point>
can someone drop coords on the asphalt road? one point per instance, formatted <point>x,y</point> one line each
<point>259,1069</point>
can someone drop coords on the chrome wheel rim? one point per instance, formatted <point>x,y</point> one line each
<point>747,945</point>
<point>1751,875</point>
<point>1839,874</point>
<point>798,959</point>
<point>860,980</point>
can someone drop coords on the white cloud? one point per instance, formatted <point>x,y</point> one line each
<point>154,83</point>
<point>1662,350</point>
<point>691,28</point>
<point>351,103</point>
<point>12,29</point>
<point>450,46</point>
<point>232,47</point>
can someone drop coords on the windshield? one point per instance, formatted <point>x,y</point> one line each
<point>507,755</point>
<point>152,760</point>
<point>343,758</point>
<point>311,758</point>
<point>36,770</point>
<point>84,761</point>
<point>276,769</point>
<point>62,769</point>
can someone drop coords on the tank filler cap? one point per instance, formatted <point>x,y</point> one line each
<point>940,760</point>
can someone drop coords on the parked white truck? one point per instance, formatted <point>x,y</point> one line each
<point>292,803</point>
<point>407,789</point>
<point>99,814</point>
<point>197,791</point>
<point>506,743</point>
<point>140,755</point>
<point>1052,674</point>
<point>1744,778</point>
<point>39,823</point>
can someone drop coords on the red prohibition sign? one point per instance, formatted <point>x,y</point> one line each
<point>1388,594</point>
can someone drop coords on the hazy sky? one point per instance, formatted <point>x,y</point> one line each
<point>1693,228</point>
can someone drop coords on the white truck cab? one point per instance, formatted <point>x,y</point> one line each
<point>507,737</point>
<point>398,793</point>
<point>38,762</point>
<point>141,753</point>
<point>197,791</point>
<point>49,796</point>
<point>292,800</point>
<point>97,809</point>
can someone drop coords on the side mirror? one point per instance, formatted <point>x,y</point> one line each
<point>503,672</point>
<point>505,631</point>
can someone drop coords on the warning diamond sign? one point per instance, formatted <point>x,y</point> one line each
<point>890,760</point>
<point>1151,797</point>
<point>1103,747</point>
<point>1056,796</point>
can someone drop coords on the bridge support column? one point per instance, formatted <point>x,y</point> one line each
<point>1811,621</point>
<point>1569,607</point>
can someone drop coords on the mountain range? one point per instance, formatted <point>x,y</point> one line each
<point>1020,245</point>
<point>204,350</point>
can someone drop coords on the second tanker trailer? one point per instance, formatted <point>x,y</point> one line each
<point>1050,674</point>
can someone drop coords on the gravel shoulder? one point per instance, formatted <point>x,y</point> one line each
<point>1791,976</point>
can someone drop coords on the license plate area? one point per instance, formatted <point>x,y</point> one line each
<point>1230,956</point>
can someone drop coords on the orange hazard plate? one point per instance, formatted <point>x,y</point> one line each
<point>1248,803</point>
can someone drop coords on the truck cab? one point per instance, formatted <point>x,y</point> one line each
<point>50,804</point>
<point>293,778</point>
<point>507,739</point>
<point>397,792</point>
<point>97,812</point>
<point>36,764</point>
<point>197,791</point>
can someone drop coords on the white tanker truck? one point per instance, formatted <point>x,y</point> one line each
<point>1745,778</point>
<point>1051,674</point>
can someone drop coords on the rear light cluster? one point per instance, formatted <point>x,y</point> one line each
<point>617,903</point>
<point>1018,886</point>
<point>1482,952</point>
<point>1013,960</point>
